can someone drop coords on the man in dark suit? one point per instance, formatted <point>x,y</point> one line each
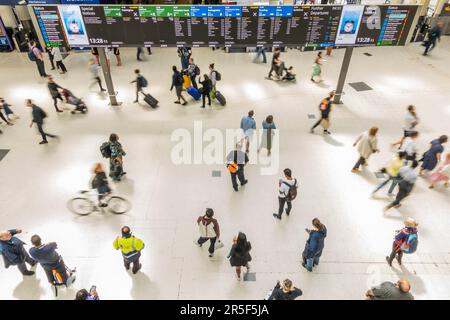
<point>38,116</point>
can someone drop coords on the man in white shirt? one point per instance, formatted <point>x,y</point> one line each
<point>409,146</point>
<point>284,196</point>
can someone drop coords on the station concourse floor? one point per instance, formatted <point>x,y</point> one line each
<point>37,181</point>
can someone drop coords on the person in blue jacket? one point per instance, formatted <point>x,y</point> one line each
<point>314,245</point>
<point>13,252</point>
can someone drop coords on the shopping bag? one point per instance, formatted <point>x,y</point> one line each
<point>219,244</point>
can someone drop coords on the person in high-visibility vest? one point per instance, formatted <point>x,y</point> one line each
<point>131,249</point>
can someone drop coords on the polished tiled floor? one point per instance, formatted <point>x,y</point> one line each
<point>37,181</point>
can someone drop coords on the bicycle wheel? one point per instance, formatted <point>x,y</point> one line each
<point>81,206</point>
<point>118,205</point>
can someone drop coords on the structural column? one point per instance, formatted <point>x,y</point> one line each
<point>108,79</point>
<point>343,75</point>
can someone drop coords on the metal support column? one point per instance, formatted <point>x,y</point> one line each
<point>108,79</point>
<point>343,75</point>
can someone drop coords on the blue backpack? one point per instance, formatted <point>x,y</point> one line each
<point>411,243</point>
<point>31,55</point>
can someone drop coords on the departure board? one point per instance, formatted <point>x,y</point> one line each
<point>50,24</point>
<point>229,25</point>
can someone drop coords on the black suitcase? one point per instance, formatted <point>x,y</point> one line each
<point>150,100</point>
<point>221,98</point>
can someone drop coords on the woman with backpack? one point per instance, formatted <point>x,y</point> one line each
<point>366,144</point>
<point>240,254</point>
<point>209,230</point>
<point>405,241</point>
<point>314,245</point>
<point>115,161</point>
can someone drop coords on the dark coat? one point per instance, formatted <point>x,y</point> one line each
<point>38,114</point>
<point>315,244</point>
<point>53,88</point>
<point>239,257</point>
<point>12,251</point>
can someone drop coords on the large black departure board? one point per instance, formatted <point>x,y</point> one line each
<point>229,25</point>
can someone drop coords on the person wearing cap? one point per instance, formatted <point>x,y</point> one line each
<point>391,291</point>
<point>13,252</point>
<point>131,248</point>
<point>285,291</point>
<point>209,230</point>
<point>400,237</point>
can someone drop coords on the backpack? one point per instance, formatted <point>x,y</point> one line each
<point>31,55</point>
<point>105,150</point>
<point>323,105</point>
<point>411,243</point>
<point>218,75</point>
<point>197,70</point>
<point>144,82</point>
<point>292,194</point>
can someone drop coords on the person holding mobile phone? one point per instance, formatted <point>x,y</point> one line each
<point>314,245</point>
<point>83,294</point>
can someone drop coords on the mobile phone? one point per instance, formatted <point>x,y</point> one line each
<point>93,289</point>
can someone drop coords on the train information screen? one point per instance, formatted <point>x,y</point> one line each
<point>230,25</point>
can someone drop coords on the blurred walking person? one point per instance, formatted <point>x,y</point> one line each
<point>366,144</point>
<point>38,116</point>
<point>239,255</point>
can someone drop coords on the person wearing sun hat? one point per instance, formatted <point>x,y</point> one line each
<point>400,238</point>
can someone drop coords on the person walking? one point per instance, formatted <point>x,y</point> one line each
<point>116,52</point>
<point>50,57</point>
<point>366,144</point>
<point>409,145</point>
<point>392,169</point>
<point>248,125</point>
<point>93,69</point>
<point>214,75</point>
<point>209,230</point>
<point>38,116</point>
<point>141,82</point>
<point>411,121</point>
<point>177,83</point>
<point>239,255</point>
<point>4,118</point>
<point>275,62</point>
<point>433,35</point>
<point>317,68</point>
<point>206,89</point>
<point>260,51</point>
<point>116,160</point>
<point>54,92</point>
<point>236,161</point>
<point>6,108</point>
<point>407,179</point>
<point>314,245</point>
<point>285,291</point>
<point>401,241</point>
<point>94,52</point>
<point>442,173</point>
<point>56,52</point>
<point>391,291</point>
<point>325,109</point>
<point>13,252</point>
<point>184,53</point>
<point>192,71</point>
<point>36,54</point>
<point>287,191</point>
<point>131,248</point>
<point>268,132</point>
<point>50,260</point>
<point>432,157</point>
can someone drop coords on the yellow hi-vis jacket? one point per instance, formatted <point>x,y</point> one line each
<point>130,246</point>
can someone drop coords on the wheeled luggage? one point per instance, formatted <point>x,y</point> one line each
<point>194,93</point>
<point>150,100</point>
<point>221,98</point>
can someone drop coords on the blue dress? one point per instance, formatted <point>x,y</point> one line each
<point>430,157</point>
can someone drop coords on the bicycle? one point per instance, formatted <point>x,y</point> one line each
<point>85,205</point>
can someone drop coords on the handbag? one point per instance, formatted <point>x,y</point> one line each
<point>219,244</point>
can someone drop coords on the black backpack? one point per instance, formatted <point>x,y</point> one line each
<point>43,114</point>
<point>144,82</point>
<point>218,75</point>
<point>105,150</point>
<point>292,194</point>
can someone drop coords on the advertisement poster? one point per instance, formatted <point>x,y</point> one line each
<point>349,25</point>
<point>73,25</point>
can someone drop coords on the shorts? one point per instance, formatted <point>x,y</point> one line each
<point>178,90</point>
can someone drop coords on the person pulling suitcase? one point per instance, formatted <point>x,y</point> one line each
<point>141,83</point>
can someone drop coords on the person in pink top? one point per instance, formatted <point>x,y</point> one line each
<point>442,173</point>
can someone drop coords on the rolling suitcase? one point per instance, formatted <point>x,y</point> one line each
<point>194,93</point>
<point>150,100</point>
<point>221,98</point>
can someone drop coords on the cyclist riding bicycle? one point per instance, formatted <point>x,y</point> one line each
<point>100,182</point>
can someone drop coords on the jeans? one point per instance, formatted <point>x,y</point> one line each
<point>137,93</point>
<point>55,101</point>
<point>396,251</point>
<point>41,68</point>
<point>99,81</point>
<point>359,163</point>
<point>430,44</point>
<point>212,243</point>
<point>282,202</point>
<point>44,134</point>
<point>60,65</point>
<point>138,53</point>
<point>240,176</point>
<point>261,52</point>
<point>22,266</point>
<point>133,260</point>
<point>194,83</point>
<point>206,95</point>
<point>394,183</point>
<point>311,262</point>
<point>318,122</point>
<point>404,188</point>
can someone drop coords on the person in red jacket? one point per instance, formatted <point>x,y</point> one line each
<point>401,236</point>
<point>209,230</point>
